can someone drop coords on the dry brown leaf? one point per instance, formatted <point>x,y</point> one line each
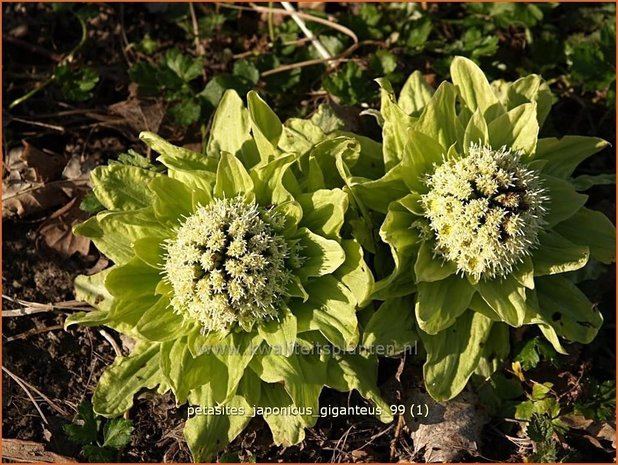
<point>140,114</point>
<point>37,198</point>
<point>57,231</point>
<point>48,166</point>
<point>450,430</point>
<point>597,430</point>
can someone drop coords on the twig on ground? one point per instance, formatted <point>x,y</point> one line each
<point>199,47</point>
<point>31,308</point>
<point>38,123</point>
<point>400,424</point>
<point>325,54</point>
<point>23,383</point>
<point>305,16</point>
<point>33,332</point>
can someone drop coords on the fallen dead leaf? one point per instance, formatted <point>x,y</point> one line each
<point>450,429</point>
<point>56,232</point>
<point>140,114</point>
<point>47,165</point>
<point>37,198</point>
<point>597,430</point>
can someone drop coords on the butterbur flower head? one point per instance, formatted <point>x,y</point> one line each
<point>223,263</point>
<point>485,210</point>
<point>483,221</point>
<point>229,264</point>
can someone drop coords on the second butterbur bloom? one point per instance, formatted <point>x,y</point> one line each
<point>482,221</point>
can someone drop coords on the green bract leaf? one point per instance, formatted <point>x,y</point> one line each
<point>593,229</point>
<point>121,187</point>
<point>474,88</point>
<point>331,309</point>
<point>396,125</point>
<point>266,125</point>
<point>563,155</point>
<point>230,126</point>
<point>453,354</point>
<point>415,94</point>
<point>439,304</point>
<point>517,129</point>
<point>324,256</point>
<point>127,375</point>
<point>232,178</point>
<point>391,327</point>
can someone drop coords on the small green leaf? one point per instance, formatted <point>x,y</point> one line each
<point>96,454</point>
<point>415,94</point>
<point>439,304</point>
<point>87,432</point>
<point>556,254</point>
<point>593,229</point>
<point>186,111</point>
<point>381,332</point>
<point>232,178</point>
<point>121,187</point>
<point>117,433</point>
<point>127,375</point>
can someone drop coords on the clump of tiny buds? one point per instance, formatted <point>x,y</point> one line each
<point>485,211</point>
<point>230,263</point>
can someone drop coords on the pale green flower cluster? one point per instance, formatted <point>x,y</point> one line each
<point>230,264</point>
<point>485,211</point>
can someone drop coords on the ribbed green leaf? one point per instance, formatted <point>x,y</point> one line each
<point>440,303</point>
